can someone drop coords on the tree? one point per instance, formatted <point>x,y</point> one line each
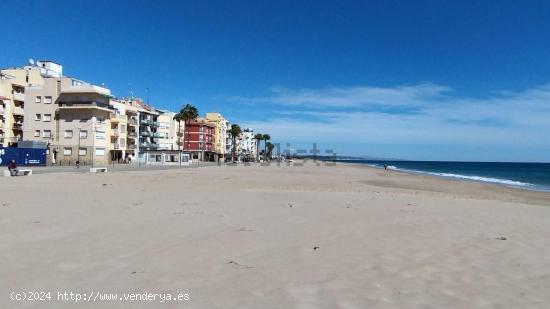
<point>269,147</point>
<point>258,137</point>
<point>234,132</point>
<point>188,113</point>
<point>266,138</point>
<point>179,118</point>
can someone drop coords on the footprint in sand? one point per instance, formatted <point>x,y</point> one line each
<point>245,229</point>
<point>239,264</point>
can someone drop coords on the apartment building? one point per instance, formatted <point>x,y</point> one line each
<point>228,142</point>
<point>221,136</point>
<point>13,82</point>
<point>72,116</point>
<point>199,139</point>
<point>170,132</point>
<point>124,129</point>
<point>148,127</point>
<point>247,146</point>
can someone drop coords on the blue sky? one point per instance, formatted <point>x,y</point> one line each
<point>429,80</point>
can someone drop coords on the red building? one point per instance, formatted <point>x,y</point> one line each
<point>199,139</point>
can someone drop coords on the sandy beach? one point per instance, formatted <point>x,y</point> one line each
<point>343,236</point>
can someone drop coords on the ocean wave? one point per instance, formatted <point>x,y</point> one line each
<point>507,182</point>
<point>485,179</point>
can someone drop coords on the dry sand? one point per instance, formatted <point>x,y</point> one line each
<point>244,237</point>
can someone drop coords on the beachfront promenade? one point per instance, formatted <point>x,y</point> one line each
<point>113,167</point>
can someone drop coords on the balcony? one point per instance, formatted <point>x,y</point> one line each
<point>18,126</point>
<point>156,134</point>
<point>86,88</point>
<point>86,105</point>
<point>118,118</point>
<point>154,124</point>
<point>146,122</point>
<point>131,146</point>
<point>132,121</point>
<point>145,133</point>
<point>148,145</point>
<point>132,134</point>
<point>19,96</point>
<point>18,111</point>
<point>115,132</point>
<point>115,146</point>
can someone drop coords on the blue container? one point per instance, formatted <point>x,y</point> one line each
<point>22,156</point>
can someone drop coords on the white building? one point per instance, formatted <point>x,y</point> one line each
<point>246,145</point>
<point>168,129</point>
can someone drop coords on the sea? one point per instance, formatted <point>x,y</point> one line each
<point>529,176</point>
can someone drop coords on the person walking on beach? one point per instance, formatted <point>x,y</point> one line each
<point>12,167</point>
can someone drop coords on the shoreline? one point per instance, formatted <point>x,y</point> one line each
<point>501,182</point>
<point>522,194</point>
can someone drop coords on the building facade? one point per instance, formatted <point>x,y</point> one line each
<point>125,129</point>
<point>247,147</point>
<point>199,137</point>
<point>73,117</point>
<point>220,139</point>
<point>13,83</point>
<point>171,132</point>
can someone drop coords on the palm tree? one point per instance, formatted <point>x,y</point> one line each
<point>269,147</point>
<point>266,138</point>
<point>188,113</point>
<point>258,137</point>
<point>179,118</point>
<point>235,131</point>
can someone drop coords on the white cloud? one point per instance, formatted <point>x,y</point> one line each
<point>354,96</point>
<point>423,114</point>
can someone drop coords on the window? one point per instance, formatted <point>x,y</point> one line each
<point>100,135</point>
<point>47,100</point>
<point>47,133</point>
<point>83,134</point>
<point>82,151</point>
<point>122,128</point>
<point>38,99</point>
<point>100,151</point>
<point>68,133</point>
<point>67,151</point>
<point>37,117</point>
<point>37,133</point>
<point>47,117</point>
<point>122,142</point>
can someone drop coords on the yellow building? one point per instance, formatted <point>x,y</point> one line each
<point>13,82</point>
<point>221,133</point>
